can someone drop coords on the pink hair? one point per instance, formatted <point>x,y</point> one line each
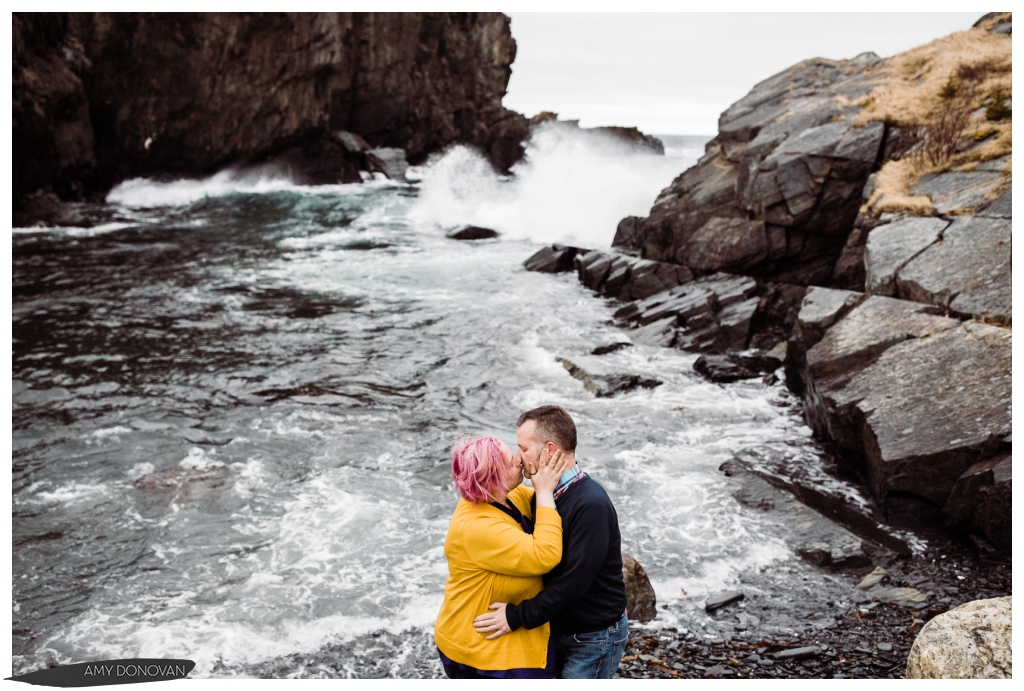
<point>479,469</point>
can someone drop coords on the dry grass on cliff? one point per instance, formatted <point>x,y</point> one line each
<point>931,91</point>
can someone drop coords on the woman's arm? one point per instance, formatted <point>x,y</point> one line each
<point>494,544</point>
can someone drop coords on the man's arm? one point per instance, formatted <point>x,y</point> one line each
<point>586,551</point>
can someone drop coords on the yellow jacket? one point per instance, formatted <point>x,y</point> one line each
<point>491,559</point>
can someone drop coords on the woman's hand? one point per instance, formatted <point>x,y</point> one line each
<point>549,470</point>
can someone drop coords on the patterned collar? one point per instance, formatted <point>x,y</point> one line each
<point>569,477</point>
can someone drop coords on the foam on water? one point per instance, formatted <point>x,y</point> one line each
<point>570,188</point>
<point>148,194</point>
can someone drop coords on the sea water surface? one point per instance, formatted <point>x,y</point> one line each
<point>233,403</point>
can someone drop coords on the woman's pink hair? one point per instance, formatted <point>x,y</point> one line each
<point>479,469</point>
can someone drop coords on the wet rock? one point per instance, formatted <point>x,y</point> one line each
<point>963,498</point>
<point>972,641</point>
<point>316,160</point>
<point>722,600</point>
<point>993,513</point>
<point>778,190</point>
<point>813,536</point>
<point>798,653</point>
<point>642,605</point>
<point>351,142</point>
<point>958,192</point>
<point>627,236</point>
<point>907,597</point>
<point>610,348</point>
<point>730,368</point>
<point>968,272</point>
<point>388,160</point>
<point>869,385</point>
<point>553,259</point>
<point>46,209</point>
<point>53,142</point>
<point>472,233</point>
<point>598,381</point>
<point>890,247</point>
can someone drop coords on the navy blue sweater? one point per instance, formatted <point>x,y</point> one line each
<point>585,591</point>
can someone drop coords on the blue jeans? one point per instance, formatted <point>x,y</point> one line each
<point>593,655</point>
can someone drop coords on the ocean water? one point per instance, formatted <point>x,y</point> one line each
<point>233,401</point>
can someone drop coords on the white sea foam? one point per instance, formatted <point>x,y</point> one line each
<point>70,493</point>
<point>111,431</point>
<point>570,188</point>
<point>197,459</point>
<point>144,193</point>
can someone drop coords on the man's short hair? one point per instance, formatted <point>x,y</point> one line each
<point>553,424</point>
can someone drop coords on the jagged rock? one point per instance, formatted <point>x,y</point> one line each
<point>137,94</point>
<point>963,498</point>
<point>472,233</point>
<point>993,512</point>
<point>820,309</point>
<point>642,605</point>
<point>553,259</point>
<point>602,383</point>
<point>972,641</point>
<point>890,247</point>
<point>723,599</point>
<point>779,188</point>
<point>314,161</point>
<point>959,192</point>
<point>45,209</point>
<point>610,348</point>
<point>387,160</point>
<point>730,368</point>
<point>870,386</point>
<point>52,144</point>
<point>351,142</point>
<point>627,236</point>
<point>969,272</point>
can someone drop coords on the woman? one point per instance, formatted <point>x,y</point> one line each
<point>497,551</point>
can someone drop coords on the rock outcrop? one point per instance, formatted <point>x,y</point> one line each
<point>102,97</point>
<point>642,605</point>
<point>972,641</point>
<point>777,192</point>
<point>912,399</point>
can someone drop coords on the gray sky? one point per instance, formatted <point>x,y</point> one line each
<point>674,73</point>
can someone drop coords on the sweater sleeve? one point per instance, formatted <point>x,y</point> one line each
<point>498,546</point>
<point>587,548</point>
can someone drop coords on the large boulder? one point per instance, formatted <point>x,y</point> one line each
<point>777,192</point>
<point>869,385</point>
<point>972,641</point>
<point>968,272</point>
<point>553,259</point>
<point>642,605</point>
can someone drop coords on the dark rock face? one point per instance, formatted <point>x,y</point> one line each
<point>388,160</point>
<point>911,398</point>
<point>602,382</point>
<point>52,136</point>
<point>778,190</point>
<point>472,233</point>
<point>642,605</point>
<point>730,368</point>
<point>552,260</point>
<point>142,94</point>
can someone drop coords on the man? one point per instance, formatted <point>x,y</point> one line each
<point>584,597</point>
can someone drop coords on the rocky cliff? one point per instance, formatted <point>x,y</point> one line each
<point>852,218</point>
<point>103,97</point>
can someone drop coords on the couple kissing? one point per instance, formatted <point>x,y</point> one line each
<point>534,585</point>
